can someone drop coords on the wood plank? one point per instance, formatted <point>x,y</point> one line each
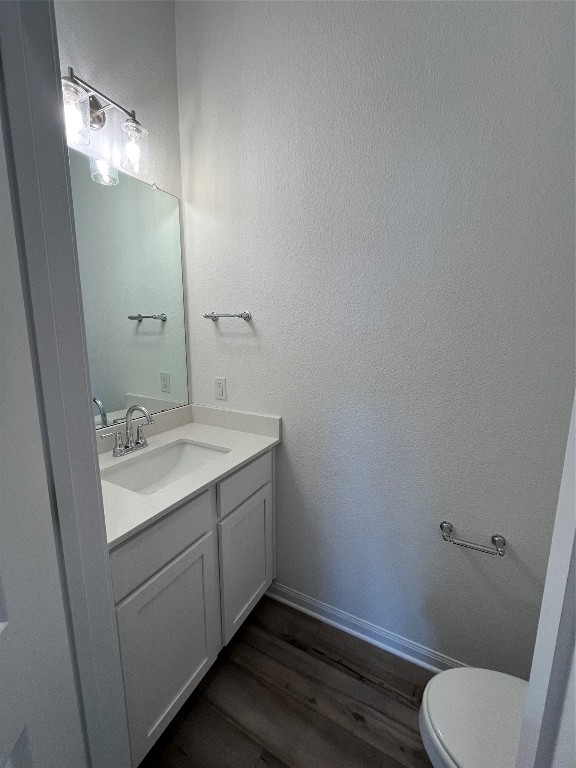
<point>269,761</point>
<point>389,762</point>
<point>398,709</point>
<point>166,754</point>
<point>370,663</point>
<point>293,626</point>
<point>210,741</point>
<point>300,676</point>
<point>341,650</point>
<point>293,734</point>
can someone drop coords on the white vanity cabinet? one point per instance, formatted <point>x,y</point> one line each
<point>169,632</point>
<point>246,541</point>
<point>182,586</point>
<point>169,623</point>
<point>246,558</point>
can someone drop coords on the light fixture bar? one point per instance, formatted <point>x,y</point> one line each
<point>95,92</point>
<point>85,112</point>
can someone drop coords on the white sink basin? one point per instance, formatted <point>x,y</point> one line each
<point>147,472</point>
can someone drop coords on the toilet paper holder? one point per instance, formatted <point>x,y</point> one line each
<point>498,541</point>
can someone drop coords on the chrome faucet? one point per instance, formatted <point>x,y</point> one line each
<point>122,448</point>
<point>103,416</point>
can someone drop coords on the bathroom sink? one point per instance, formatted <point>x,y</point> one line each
<point>154,469</point>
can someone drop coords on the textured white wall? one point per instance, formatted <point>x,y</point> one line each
<point>126,49</point>
<point>389,188</point>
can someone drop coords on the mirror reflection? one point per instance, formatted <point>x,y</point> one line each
<point>128,237</point>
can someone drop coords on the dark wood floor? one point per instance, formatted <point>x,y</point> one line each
<point>291,692</point>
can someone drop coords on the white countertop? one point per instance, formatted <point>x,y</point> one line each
<point>127,512</point>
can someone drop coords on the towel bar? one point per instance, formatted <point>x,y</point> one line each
<point>139,317</point>
<point>498,541</point>
<point>215,315</point>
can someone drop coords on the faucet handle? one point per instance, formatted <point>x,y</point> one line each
<point>118,440</point>
<point>118,449</point>
<point>140,436</point>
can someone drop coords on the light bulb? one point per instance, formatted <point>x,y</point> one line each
<point>134,146</point>
<point>76,113</point>
<point>133,155</point>
<point>102,173</point>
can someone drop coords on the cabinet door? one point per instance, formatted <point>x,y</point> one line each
<point>246,558</point>
<point>169,636</point>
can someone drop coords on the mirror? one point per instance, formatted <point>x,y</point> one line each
<point>128,238</point>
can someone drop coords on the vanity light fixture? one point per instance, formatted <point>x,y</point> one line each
<point>76,113</point>
<point>85,110</point>
<point>134,146</point>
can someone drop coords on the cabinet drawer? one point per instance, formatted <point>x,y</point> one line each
<point>146,552</point>
<point>242,484</point>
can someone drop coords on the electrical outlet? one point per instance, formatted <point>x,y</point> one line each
<point>220,388</point>
<point>164,382</point>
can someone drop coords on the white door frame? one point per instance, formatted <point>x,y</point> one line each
<point>554,648</point>
<point>41,191</point>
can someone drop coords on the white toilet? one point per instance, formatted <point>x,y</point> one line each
<point>470,718</point>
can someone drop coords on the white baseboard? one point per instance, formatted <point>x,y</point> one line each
<point>400,646</point>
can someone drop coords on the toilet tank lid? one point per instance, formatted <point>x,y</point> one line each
<point>476,714</point>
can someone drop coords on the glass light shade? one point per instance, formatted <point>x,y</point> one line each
<point>105,152</point>
<point>103,173</point>
<point>76,113</point>
<point>134,156</point>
